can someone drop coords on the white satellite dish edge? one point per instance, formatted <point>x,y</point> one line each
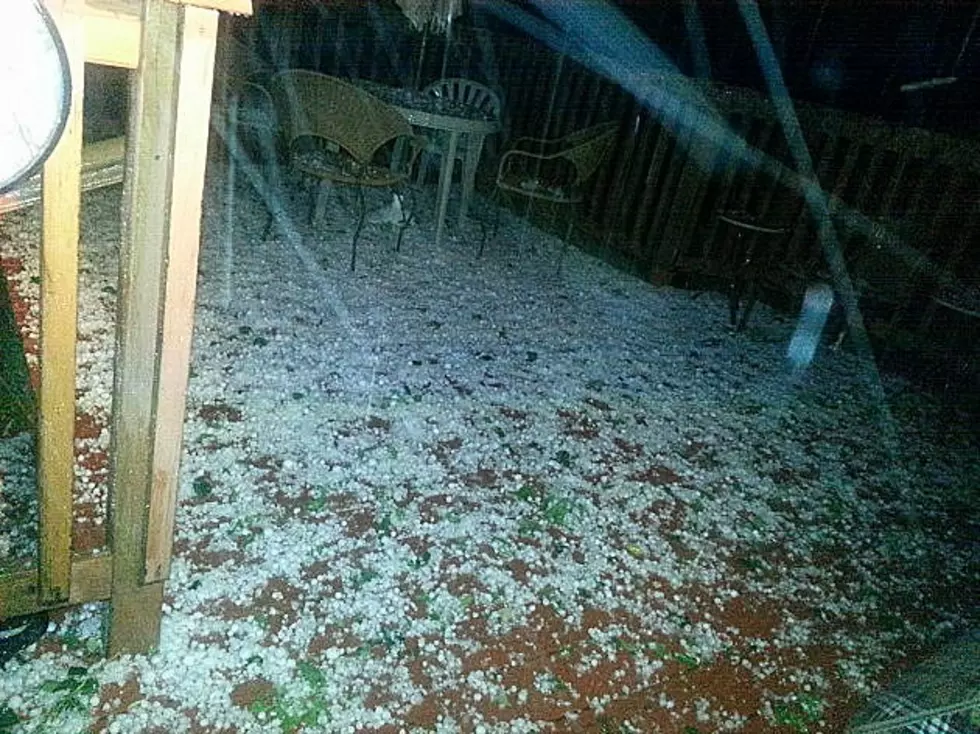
<point>35,89</point>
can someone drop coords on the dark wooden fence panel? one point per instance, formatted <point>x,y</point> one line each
<point>921,184</point>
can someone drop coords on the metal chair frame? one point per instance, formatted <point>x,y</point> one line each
<point>555,170</point>
<point>337,133</point>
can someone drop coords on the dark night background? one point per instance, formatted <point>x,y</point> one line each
<point>850,55</point>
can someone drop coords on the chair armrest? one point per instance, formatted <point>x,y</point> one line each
<point>544,176</point>
<point>517,154</point>
<point>536,146</point>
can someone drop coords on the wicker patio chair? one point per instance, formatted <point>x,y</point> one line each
<point>556,171</point>
<point>337,133</point>
<point>456,93</point>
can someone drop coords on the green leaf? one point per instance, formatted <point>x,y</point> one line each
<point>528,527</point>
<point>384,525</point>
<point>263,705</point>
<point>8,718</point>
<point>688,660</point>
<point>526,493</point>
<point>56,686</point>
<point>311,674</point>
<point>556,511</point>
<point>202,486</point>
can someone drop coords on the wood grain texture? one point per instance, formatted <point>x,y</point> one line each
<point>60,203</point>
<point>135,614</point>
<point>190,153</point>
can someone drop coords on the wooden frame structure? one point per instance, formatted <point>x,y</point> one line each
<point>170,45</point>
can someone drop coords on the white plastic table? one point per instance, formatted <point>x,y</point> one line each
<point>456,125</point>
<point>477,131</point>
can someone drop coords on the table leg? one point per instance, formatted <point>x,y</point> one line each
<point>474,148</point>
<point>445,179</point>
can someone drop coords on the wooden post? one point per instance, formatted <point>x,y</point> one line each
<point>59,308</point>
<point>158,268</point>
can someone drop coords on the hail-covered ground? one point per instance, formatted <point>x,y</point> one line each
<point>445,493</point>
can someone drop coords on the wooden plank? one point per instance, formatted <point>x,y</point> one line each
<point>190,154</point>
<point>19,594</point>
<point>60,201</point>
<point>91,580</point>
<point>112,32</point>
<point>653,241</point>
<point>804,246</point>
<point>701,159</point>
<point>102,165</point>
<point>896,179</point>
<point>734,162</point>
<point>650,189</point>
<point>135,612</point>
<point>678,183</point>
<point>238,7</point>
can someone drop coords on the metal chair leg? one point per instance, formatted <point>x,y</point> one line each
<point>566,242</point>
<point>319,207</point>
<point>362,213</point>
<point>496,203</point>
<point>750,301</point>
<point>408,216</point>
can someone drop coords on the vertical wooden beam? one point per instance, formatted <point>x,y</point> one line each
<point>158,270</point>
<point>136,606</point>
<point>190,154</point>
<point>61,192</point>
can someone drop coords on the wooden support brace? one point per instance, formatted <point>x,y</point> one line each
<point>198,39</point>
<point>91,580</point>
<point>158,268</point>
<point>238,7</point>
<point>102,165</point>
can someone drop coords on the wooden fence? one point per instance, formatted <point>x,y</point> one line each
<point>905,200</point>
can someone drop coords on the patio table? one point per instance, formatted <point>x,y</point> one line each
<point>455,119</point>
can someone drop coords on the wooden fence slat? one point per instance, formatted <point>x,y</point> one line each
<point>896,181</point>
<point>648,168</point>
<point>728,175</point>
<point>701,158</point>
<point>762,143</point>
<point>966,239</point>
<point>666,159</point>
<point>803,242</point>
<point>869,175</point>
<point>60,203</point>
<point>621,196</point>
